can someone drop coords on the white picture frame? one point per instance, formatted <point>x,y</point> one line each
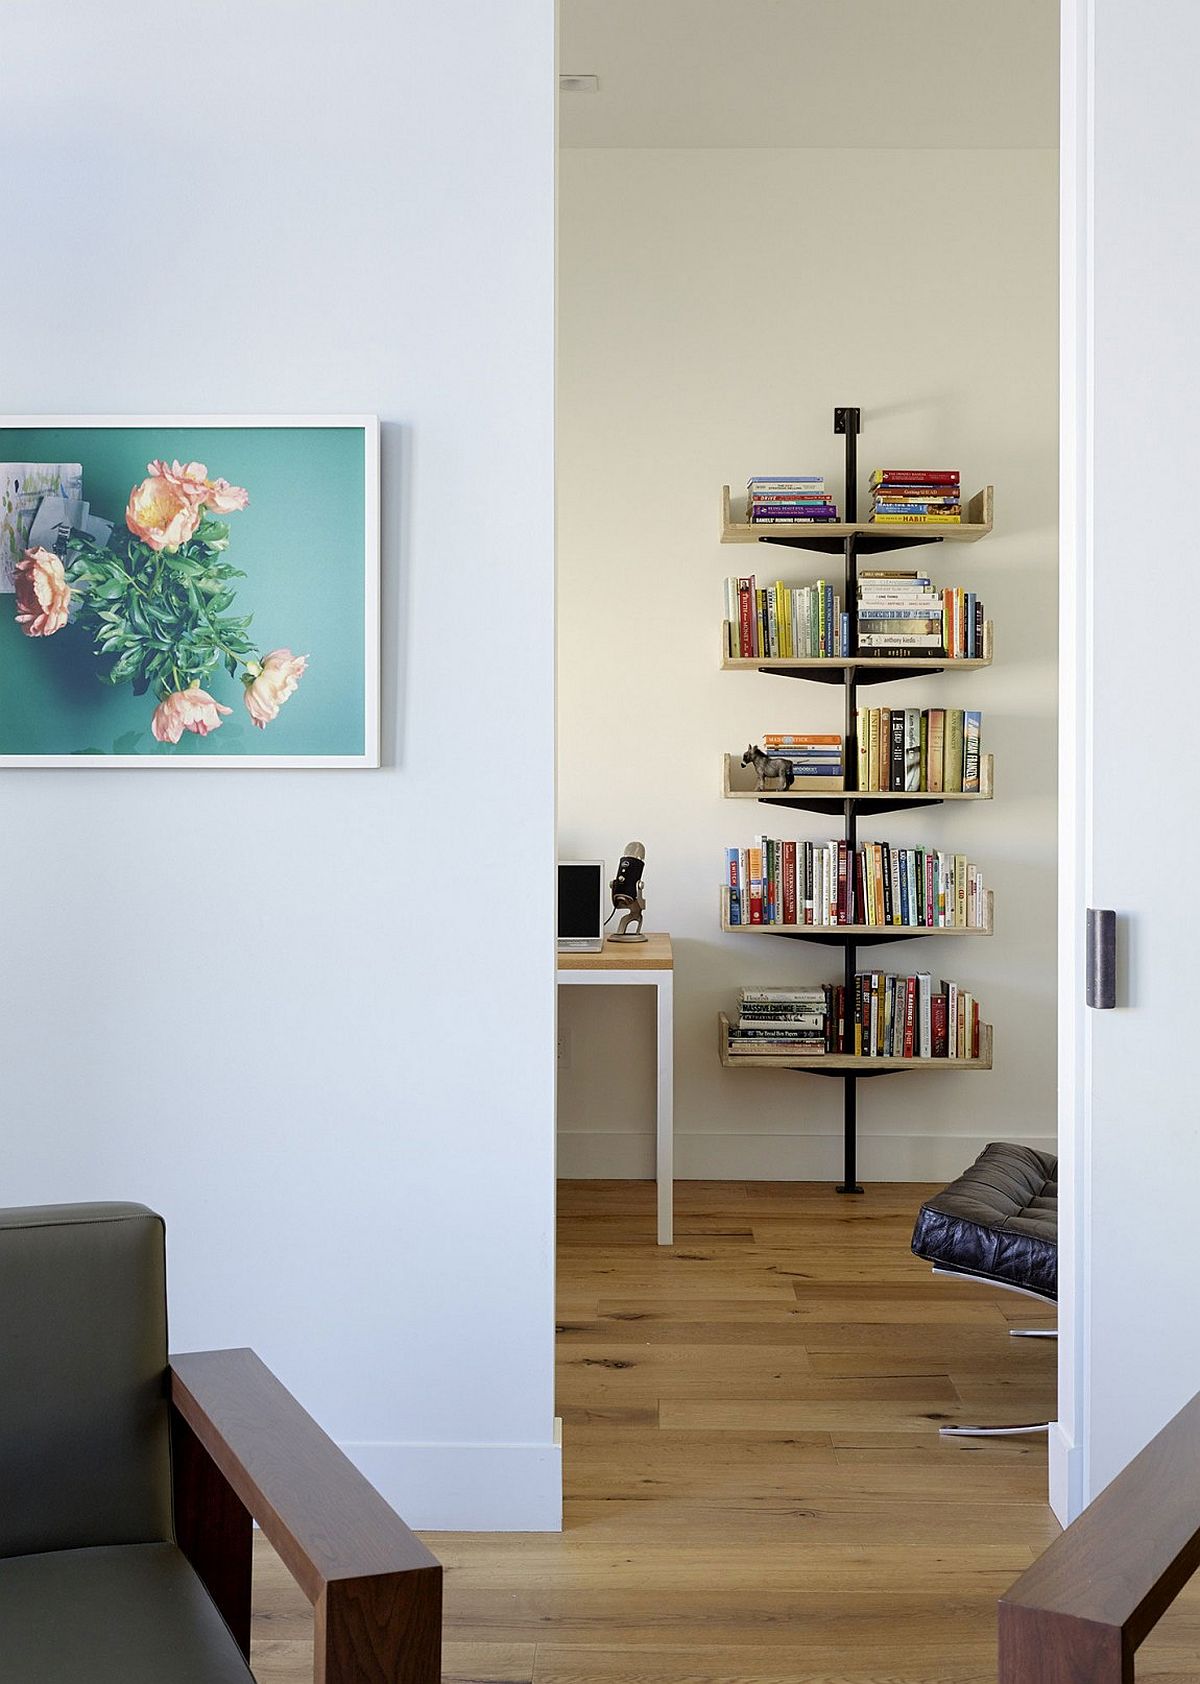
<point>177,431</point>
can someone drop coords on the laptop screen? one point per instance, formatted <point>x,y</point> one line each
<point>579,899</point>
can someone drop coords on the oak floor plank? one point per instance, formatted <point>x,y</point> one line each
<point>756,1492</point>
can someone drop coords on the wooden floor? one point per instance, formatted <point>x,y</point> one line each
<point>755,1489</point>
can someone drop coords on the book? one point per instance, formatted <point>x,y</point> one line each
<point>937,730</point>
<point>827,884</point>
<point>785,739</point>
<point>912,749</point>
<point>909,506</point>
<point>915,476</point>
<point>952,751</point>
<point>896,768</point>
<point>883,519</point>
<point>786,481</point>
<point>972,727</point>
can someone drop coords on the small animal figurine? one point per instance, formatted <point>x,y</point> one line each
<point>769,766</point>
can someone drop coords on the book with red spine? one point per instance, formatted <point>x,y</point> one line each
<point>756,886</point>
<point>746,639</point>
<point>938,1020</point>
<point>860,888</point>
<point>915,476</point>
<point>789,882</point>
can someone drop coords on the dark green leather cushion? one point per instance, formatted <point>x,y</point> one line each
<point>84,1446</point>
<point>133,1614</point>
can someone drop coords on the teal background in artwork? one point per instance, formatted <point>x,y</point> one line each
<point>300,543</point>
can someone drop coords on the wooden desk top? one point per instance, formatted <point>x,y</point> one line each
<point>653,954</point>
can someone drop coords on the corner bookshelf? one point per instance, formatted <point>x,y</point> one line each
<point>853,539</point>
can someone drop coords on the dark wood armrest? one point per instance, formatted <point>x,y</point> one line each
<point>244,1448</point>
<point>1079,1613</point>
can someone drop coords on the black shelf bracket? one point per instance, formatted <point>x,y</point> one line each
<point>865,672</point>
<point>879,801</point>
<point>838,938</point>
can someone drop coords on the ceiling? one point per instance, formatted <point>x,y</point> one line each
<point>811,73</point>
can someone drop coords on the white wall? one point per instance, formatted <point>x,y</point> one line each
<point>698,346</point>
<point>274,1005</point>
<point>1131,1139</point>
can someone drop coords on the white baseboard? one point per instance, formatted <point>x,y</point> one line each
<point>468,1487</point>
<point>601,1156</point>
<point>1066,1475</point>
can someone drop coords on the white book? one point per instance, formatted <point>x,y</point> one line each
<point>899,640</point>
<point>897,904</point>
<point>952,1019</point>
<point>924,1015</point>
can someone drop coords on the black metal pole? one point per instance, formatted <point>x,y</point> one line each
<point>846,421</point>
<point>849,1182</point>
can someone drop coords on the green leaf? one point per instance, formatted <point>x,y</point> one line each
<point>127,665</point>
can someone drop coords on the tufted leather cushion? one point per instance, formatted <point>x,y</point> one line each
<point>84,1451</point>
<point>999,1219</point>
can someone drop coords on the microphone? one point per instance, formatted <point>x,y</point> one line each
<point>626,889</point>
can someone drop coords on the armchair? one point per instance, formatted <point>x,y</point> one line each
<point>129,1484</point>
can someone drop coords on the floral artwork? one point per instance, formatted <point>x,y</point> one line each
<point>160,592</point>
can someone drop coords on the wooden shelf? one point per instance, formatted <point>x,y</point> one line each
<point>868,669</point>
<point>864,934</point>
<point>738,785</point>
<point>834,1064</point>
<point>889,535</point>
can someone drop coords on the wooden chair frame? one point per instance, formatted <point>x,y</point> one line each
<point>1079,1613</point>
<point>243,1450</point>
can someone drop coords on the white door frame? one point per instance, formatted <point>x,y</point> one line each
<point>1069,1434</point>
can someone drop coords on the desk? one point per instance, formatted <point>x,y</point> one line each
<point>642,964</point>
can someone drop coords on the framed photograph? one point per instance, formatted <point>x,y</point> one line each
<point>189,591</point>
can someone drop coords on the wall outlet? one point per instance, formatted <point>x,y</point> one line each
<point>564,1048</point>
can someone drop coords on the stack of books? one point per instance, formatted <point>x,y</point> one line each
<point>782,1020</point>
<point>824,885</point>
<point>904,613</point>
<point>782,622</point>
<point>924,496</point>
<point>785,499</point>
<point>811,755</point>
<point>934,750</point>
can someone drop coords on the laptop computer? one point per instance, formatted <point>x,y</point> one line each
<point>580,906</point>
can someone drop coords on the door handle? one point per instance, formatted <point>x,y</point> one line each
<point>1101,958</point>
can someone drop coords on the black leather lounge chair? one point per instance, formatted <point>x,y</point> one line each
<point>998,1224</point>
<point>128,1483</point>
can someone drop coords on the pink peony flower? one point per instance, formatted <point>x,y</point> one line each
<point>190,479</point>
<point>280,675</point>
<point>192,709</point>
<point>43,594</point>
<point>223,498</point>
<point>163,509</point>
<point>167,507</point>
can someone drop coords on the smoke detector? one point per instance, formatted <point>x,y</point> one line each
<point>579,84</point>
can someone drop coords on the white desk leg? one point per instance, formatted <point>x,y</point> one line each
<point>665,1160</point>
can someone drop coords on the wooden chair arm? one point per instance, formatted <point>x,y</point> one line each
<point>1079,1613</point>
<point>244,1446</point>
